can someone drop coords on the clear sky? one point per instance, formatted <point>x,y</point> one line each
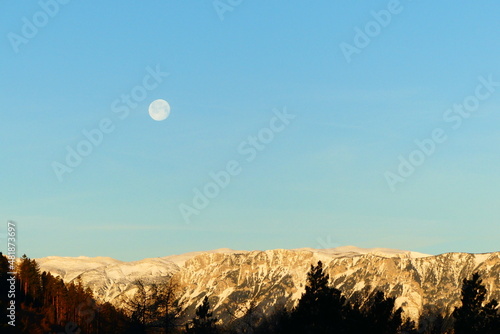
<point>355,85</point>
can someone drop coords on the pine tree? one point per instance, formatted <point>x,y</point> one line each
<point>204,322</point>
<point>321,307</point>
<point>381,315</point>
<point>275,323</point>
<point>473,317</point>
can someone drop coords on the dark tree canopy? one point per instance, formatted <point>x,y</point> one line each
<point>475,316</point>
<point>321,306</point>
<point>204,322</point>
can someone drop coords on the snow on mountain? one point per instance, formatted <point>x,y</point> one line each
<point>108,278</point>
<point>233,279</point>
<point>182,258</point>
<point>353,250</point>
<point>69,268</point>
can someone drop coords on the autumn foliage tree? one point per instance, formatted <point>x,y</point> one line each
<point>45,304</point>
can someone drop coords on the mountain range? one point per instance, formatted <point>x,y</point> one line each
<point>234,280</point>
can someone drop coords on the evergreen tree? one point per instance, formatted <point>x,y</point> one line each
<point>381,315</point>
<point>276,322</point>
<point>204,322</point>
<point>473,317</point>
<point>432,321</point>
<point>492,317</point>
<point>321,307</point>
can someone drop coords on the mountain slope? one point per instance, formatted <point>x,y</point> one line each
<point>268,279</point>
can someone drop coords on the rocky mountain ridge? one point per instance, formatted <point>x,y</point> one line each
<point>272,278</point>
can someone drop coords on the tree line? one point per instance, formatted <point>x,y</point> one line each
<point>45,304</point>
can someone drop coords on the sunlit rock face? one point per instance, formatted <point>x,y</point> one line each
<point>269,279</point>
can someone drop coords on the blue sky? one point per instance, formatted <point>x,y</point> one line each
<point>321,181</point>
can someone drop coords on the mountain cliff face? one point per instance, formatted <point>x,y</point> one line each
<point>234,280</point>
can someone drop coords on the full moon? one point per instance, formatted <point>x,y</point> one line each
<point>159,110</point>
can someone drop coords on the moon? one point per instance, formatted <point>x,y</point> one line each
<point>159,110</point>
